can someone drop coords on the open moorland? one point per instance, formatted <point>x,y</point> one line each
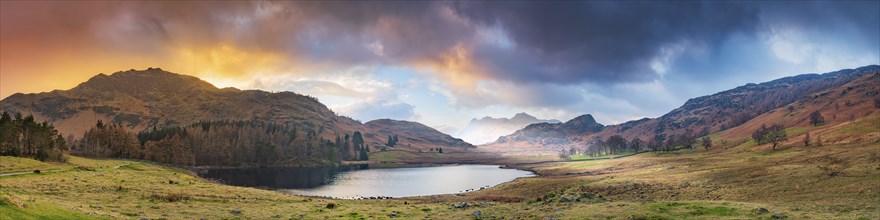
<point>837,180</point>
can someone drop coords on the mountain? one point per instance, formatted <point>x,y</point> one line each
<point>726,110</point>
<point>554,134</point>
<point>140,99</point>
<point>488,129</point>
<point>837,105</point>
<point>412,135</point>
<point>446,129</point>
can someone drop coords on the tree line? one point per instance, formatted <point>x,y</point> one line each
<point>25,137</point>
<point>617,144</point>
<point>392,141</point>
<point>223,143</point>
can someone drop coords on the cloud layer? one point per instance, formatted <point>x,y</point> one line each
<point>619,60</point>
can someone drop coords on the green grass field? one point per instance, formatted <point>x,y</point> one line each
<point>836,181</point>
<point>16,164</point>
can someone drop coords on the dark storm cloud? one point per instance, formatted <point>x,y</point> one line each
<point>528,47</point>
<point>552,42</point>
<point>570,42</point>
<point>406,30</point>
<point>828,16</point>
<point>557,42</point>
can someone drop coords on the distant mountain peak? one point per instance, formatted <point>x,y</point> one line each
<point>153,97</point>
<point>488,129</point>
<point>547,133</point>
<point>409,129</point>
<point>522,116</point>
<point>143,81</point>
<point>586,118</point>
<point>704,115</point>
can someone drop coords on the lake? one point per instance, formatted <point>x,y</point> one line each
<point>361,181</point>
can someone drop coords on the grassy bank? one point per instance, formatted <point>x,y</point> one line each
<point>838,180</point>
<point>694,185</point>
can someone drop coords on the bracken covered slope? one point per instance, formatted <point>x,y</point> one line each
<point>141,99</point>
<point>722,111</point>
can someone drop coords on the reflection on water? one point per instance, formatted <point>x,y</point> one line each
<point>359,181</point>
<point>276,177</point>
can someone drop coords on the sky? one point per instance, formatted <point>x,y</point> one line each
<point>443,63</point>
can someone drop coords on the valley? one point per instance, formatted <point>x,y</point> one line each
<point>447,110</point>
<point>735,183</point>
<point>833,176</point>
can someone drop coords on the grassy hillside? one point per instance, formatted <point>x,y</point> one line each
<point>148,191</point>
<point>18,164</point>
<point>839,96</point>
<point>844,104</point>
<point>143,99</point>
<point>835,181</point>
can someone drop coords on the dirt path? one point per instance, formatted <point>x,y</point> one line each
<point>581,160</point>
<point>28,172</point>
<point>52,171</point>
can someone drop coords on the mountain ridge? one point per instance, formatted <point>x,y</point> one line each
<point>552,134</point>
<point>140,99</point>
<point>703,115</point>
<point>488,129</point>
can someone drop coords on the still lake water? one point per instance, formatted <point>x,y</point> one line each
<point>361,181</point>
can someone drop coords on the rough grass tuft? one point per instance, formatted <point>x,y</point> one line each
<point>170,197</point>
<point>499,198</point>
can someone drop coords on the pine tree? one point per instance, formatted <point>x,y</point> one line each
<point>346,151</point>
<point>391,141</point>
<point>807,139</point>
<point>24,137</point>
<point>707,143</point>
<point>357,139</point>
<point>363,156</point>
<point>8,137</point>
<point>264,152</point>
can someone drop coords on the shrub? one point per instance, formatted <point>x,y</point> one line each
<point>170,197</point>
<point>773,134</point>
<point>497,198</point>
<point>832,166</point>
<point>816,118</point>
